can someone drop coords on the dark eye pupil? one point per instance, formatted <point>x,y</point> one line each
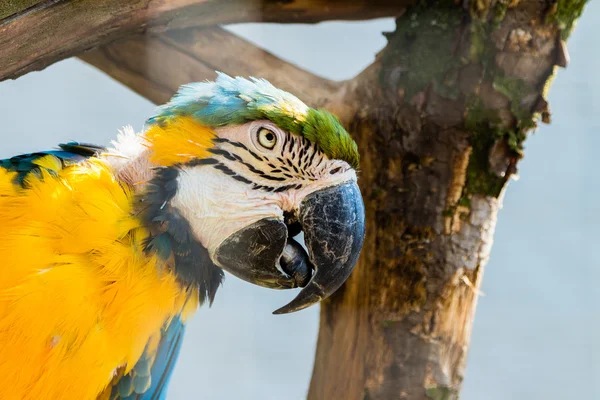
<point>270,136</point>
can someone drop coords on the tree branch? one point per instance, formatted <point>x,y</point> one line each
<point>146,64</point>
<point>53,30</point>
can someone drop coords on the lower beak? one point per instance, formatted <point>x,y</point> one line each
<point>253,254</point>
<point>333,221</point>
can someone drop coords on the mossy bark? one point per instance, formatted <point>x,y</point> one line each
<point>440,119</point>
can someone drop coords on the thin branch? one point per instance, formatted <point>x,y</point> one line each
<point>155,66</point>
<point>53,30</point>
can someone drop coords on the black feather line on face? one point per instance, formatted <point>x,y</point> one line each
<point>238,145</point>
<point>202,161</point>
<point>305,155</point>
<point>320,160</point>
<point>227,171</point>
<point>224,153</point>
<point>172,235</point>
<point>284,188</point>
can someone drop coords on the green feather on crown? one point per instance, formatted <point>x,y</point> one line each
<point>232,101</point>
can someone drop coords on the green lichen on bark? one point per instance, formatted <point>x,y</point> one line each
<point>480,180</point>
<point>485,125</point>
<point>486,129</point>
<point>479,8</point>
<point>422,47</point>
<point>441,393</point>
<point>479,46</point>
<point>500,11</point>
<point>482,123</point>
<point>515,89</point>
<point>10,7</point>
<point>425,52</point>
<point>565,14</point>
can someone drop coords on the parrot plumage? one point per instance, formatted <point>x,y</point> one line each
<point>107,251</point>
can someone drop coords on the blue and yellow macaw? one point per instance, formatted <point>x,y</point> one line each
<point>106,252</point>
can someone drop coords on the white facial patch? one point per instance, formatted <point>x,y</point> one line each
<point>217,206</point>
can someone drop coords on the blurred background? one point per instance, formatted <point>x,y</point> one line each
<point>537,326</point>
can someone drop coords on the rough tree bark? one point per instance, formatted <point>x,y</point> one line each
<point>440,119</point>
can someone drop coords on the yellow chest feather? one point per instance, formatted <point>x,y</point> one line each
<point>78,296</point>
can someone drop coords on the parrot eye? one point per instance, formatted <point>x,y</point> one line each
<point>266,138</point>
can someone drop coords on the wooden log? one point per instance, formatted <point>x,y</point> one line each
<point>51,31</point>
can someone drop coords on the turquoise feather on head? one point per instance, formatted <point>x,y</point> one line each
<point>234,101</point>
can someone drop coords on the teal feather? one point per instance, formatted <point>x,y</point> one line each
<point>161,244</point>
<point>125,386</point>
<point>67,154</point>
<point>149,378</point>
<point>142,383</point>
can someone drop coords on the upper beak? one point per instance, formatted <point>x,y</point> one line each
<point>333,221</point>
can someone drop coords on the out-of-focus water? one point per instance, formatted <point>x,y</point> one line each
<point>536,329</point>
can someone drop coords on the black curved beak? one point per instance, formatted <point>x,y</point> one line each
<point>333,221</point>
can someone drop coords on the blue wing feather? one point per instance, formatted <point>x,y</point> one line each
<point>138,384</point>
<point>68,153</point>
<point>166,358</point>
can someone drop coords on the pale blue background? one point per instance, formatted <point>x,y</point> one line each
<point>536,329</point>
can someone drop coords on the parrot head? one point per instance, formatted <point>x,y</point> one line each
<point>242,167</point>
